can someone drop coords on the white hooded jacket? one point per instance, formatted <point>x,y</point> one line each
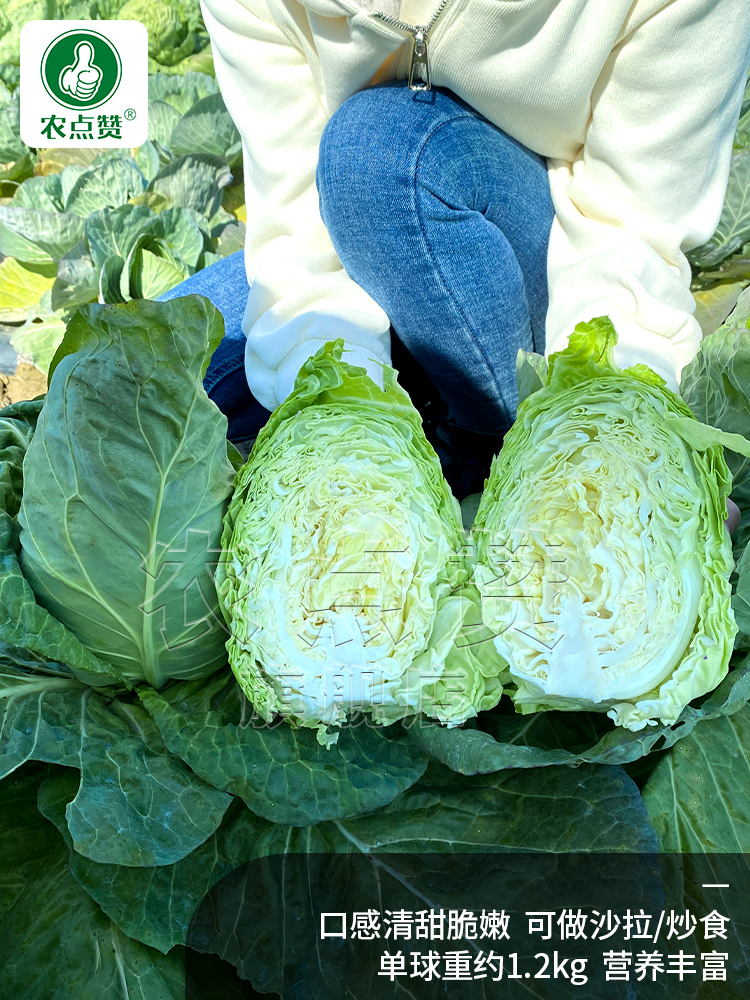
<point>633,103</point>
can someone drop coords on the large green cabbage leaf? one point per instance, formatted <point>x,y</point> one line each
<point>44,911</point>
<point>343,569</point>
<point>602,557</point>
<point>23,623</point>
<point>716,387</point>
<point>126,480</point>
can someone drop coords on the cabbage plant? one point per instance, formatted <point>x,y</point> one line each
<point>602,557</point>
<point>343,563</point>
<point>126,480</point>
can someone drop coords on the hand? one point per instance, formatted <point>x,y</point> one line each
<point>81,78</point>
<point>733,516</point>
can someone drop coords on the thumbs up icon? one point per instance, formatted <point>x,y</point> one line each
<point>82,78</point>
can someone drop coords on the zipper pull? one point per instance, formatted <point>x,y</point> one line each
<point>419,62</point>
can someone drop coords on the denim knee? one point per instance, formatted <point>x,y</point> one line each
<point>352,161</point>
<point>372,159</point>
<point>369,151</point>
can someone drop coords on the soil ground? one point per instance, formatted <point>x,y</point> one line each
<point>26,383</point>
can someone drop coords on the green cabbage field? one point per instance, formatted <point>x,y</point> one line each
<point>86,225</point>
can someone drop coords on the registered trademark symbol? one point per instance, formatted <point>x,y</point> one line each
<point>129,114</point>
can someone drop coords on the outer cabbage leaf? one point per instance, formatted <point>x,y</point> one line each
<point>23,623</point>
<point>135,803</point>
<point>125,484</point>
<point>45,912</point>
<point>36,340</point>
<point>22,286</point>
<point>106,183</point>
<point>343,561</point>
<point>733,229</point>
<point>77,281</point>
<point>741,600</point>
<point>181,91</point>
<point>498,741</point>
<point>193,181</point>
<point>13,150</point>
<point>602,557</point>
<point>713,305</point>
<point>154,905</point>
<point>282,774</point>
<point>593,810</point>
<point>37,237</point>
<point>716,387</point>
<point>448,842</point>
<point>207,128</point>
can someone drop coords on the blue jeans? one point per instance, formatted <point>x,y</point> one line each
<point>444,220</point>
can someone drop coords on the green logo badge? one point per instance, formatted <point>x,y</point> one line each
<point>81,69</point>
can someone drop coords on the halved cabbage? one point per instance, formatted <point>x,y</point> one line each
<point>602,557</point>
<point>342,578</point>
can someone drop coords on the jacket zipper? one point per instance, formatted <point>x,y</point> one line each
<point>419,71</point>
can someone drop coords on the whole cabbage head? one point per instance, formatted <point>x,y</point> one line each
<point>343,571</point>
<point>125,484</point>
<point>602,557</point>
<point>171,26</point>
